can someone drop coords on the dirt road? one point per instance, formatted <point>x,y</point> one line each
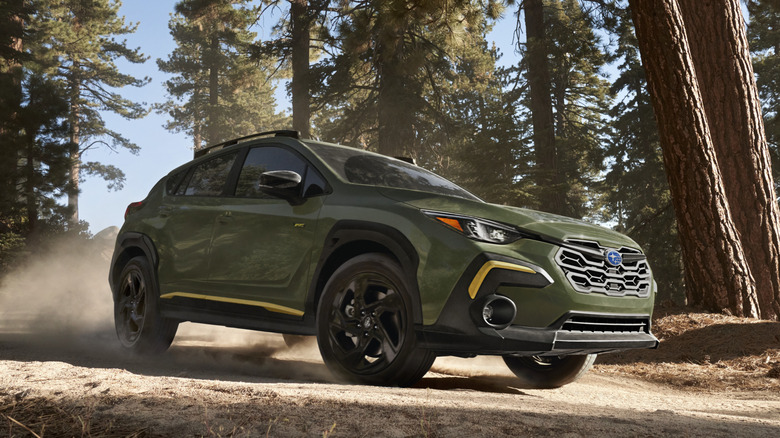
<point>220,382</point>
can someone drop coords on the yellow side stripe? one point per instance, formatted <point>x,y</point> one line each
<point>268,306</point>
<point>487,267</point>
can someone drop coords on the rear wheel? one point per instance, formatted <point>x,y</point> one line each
<point>365,328</point>
<point>137,319</point>
<point>547,372</point>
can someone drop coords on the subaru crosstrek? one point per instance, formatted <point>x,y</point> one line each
<point>388,264</point>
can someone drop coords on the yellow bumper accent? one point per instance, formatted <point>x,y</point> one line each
<point>493,264</point>
<point>268,306</point>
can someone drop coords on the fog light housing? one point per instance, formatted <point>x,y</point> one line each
<point>494,311</point>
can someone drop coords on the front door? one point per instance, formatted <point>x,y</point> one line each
<point>262,245</point>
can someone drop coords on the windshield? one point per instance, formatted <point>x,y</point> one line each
<point>361,167</point>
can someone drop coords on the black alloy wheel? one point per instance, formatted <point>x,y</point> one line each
<point>131,307</point>
<point>139,325</point>
<point>364,324</point>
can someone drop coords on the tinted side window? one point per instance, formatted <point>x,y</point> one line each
<point>209,178</point>
<point>265,159</point>
<point>174,181</point>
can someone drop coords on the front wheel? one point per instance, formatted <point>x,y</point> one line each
<point>547,372</point>
<point>139,325</point>
<point>365,327</point>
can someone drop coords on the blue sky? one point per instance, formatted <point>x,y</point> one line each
<point>162,150</point>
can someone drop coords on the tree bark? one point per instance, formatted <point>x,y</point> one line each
<point>197,128</point>
<point>719,48</point>
<point>301,35</point>
<point>716,271</point>
<point>539,84</point>
<point>10,103</point>
<point>74,84</point>
<point>212,129</point>
<point>395,125</point>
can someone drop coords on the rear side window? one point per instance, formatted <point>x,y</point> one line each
<point>208,178</point>
<point>174,181</point>
<point>265,159</point>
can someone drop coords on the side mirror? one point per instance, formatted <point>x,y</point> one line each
<point>284,184</point>
<point>280,179</point>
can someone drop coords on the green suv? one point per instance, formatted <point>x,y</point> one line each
<point>388,264</point>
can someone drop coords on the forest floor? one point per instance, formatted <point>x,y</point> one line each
<point>712,375</point>
<point>62,374</point>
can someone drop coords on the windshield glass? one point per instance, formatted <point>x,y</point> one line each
<point>361,167</point>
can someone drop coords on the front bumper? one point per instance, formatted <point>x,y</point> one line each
<point>599,333</point>
<point>579,330</point>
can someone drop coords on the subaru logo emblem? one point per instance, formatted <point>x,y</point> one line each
<point>614,258</point>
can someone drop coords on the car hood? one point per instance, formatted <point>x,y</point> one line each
<point>548,225</point>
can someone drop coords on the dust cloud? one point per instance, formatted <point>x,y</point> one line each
<point>60,300</point>
<point>61,293</point>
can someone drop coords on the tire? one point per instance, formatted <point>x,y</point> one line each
<point>365,327</point>
<point>139,325</point>
<point>548,372</point>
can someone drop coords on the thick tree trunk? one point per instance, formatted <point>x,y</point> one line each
<point>10,102</point>
<point>395,121</point>
<point>539,84</point>
<point>716,271</point>
<point>719,48</point>
<point>395,133</point>
<point>301,30</point>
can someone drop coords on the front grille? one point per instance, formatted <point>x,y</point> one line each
<point>585,266</point>
<point>600,324</point>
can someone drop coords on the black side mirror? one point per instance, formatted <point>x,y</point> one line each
<point>280,179</point>
<point>284,184</point>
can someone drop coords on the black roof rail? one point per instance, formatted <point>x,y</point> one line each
<point>277,133</point>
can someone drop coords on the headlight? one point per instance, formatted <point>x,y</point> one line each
<point>476,228</point>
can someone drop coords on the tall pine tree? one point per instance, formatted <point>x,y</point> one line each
<point>566,103</point>
<point>81,36</point>
<point>719,50</point>
<point>13,15</point>
<point>43,164</point>
<point>386,86</point>
<point>717,274</point>
<point>218,91</point>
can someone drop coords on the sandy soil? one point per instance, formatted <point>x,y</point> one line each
<point>222,382</point>
<point>63,374</point>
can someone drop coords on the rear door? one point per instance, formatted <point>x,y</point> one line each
<point>188,216</point>
<point>262,245</point>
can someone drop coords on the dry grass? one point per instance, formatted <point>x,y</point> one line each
<point>706,351</point>
<point>40,417</point>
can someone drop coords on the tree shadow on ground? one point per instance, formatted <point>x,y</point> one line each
<point>270,414</point>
